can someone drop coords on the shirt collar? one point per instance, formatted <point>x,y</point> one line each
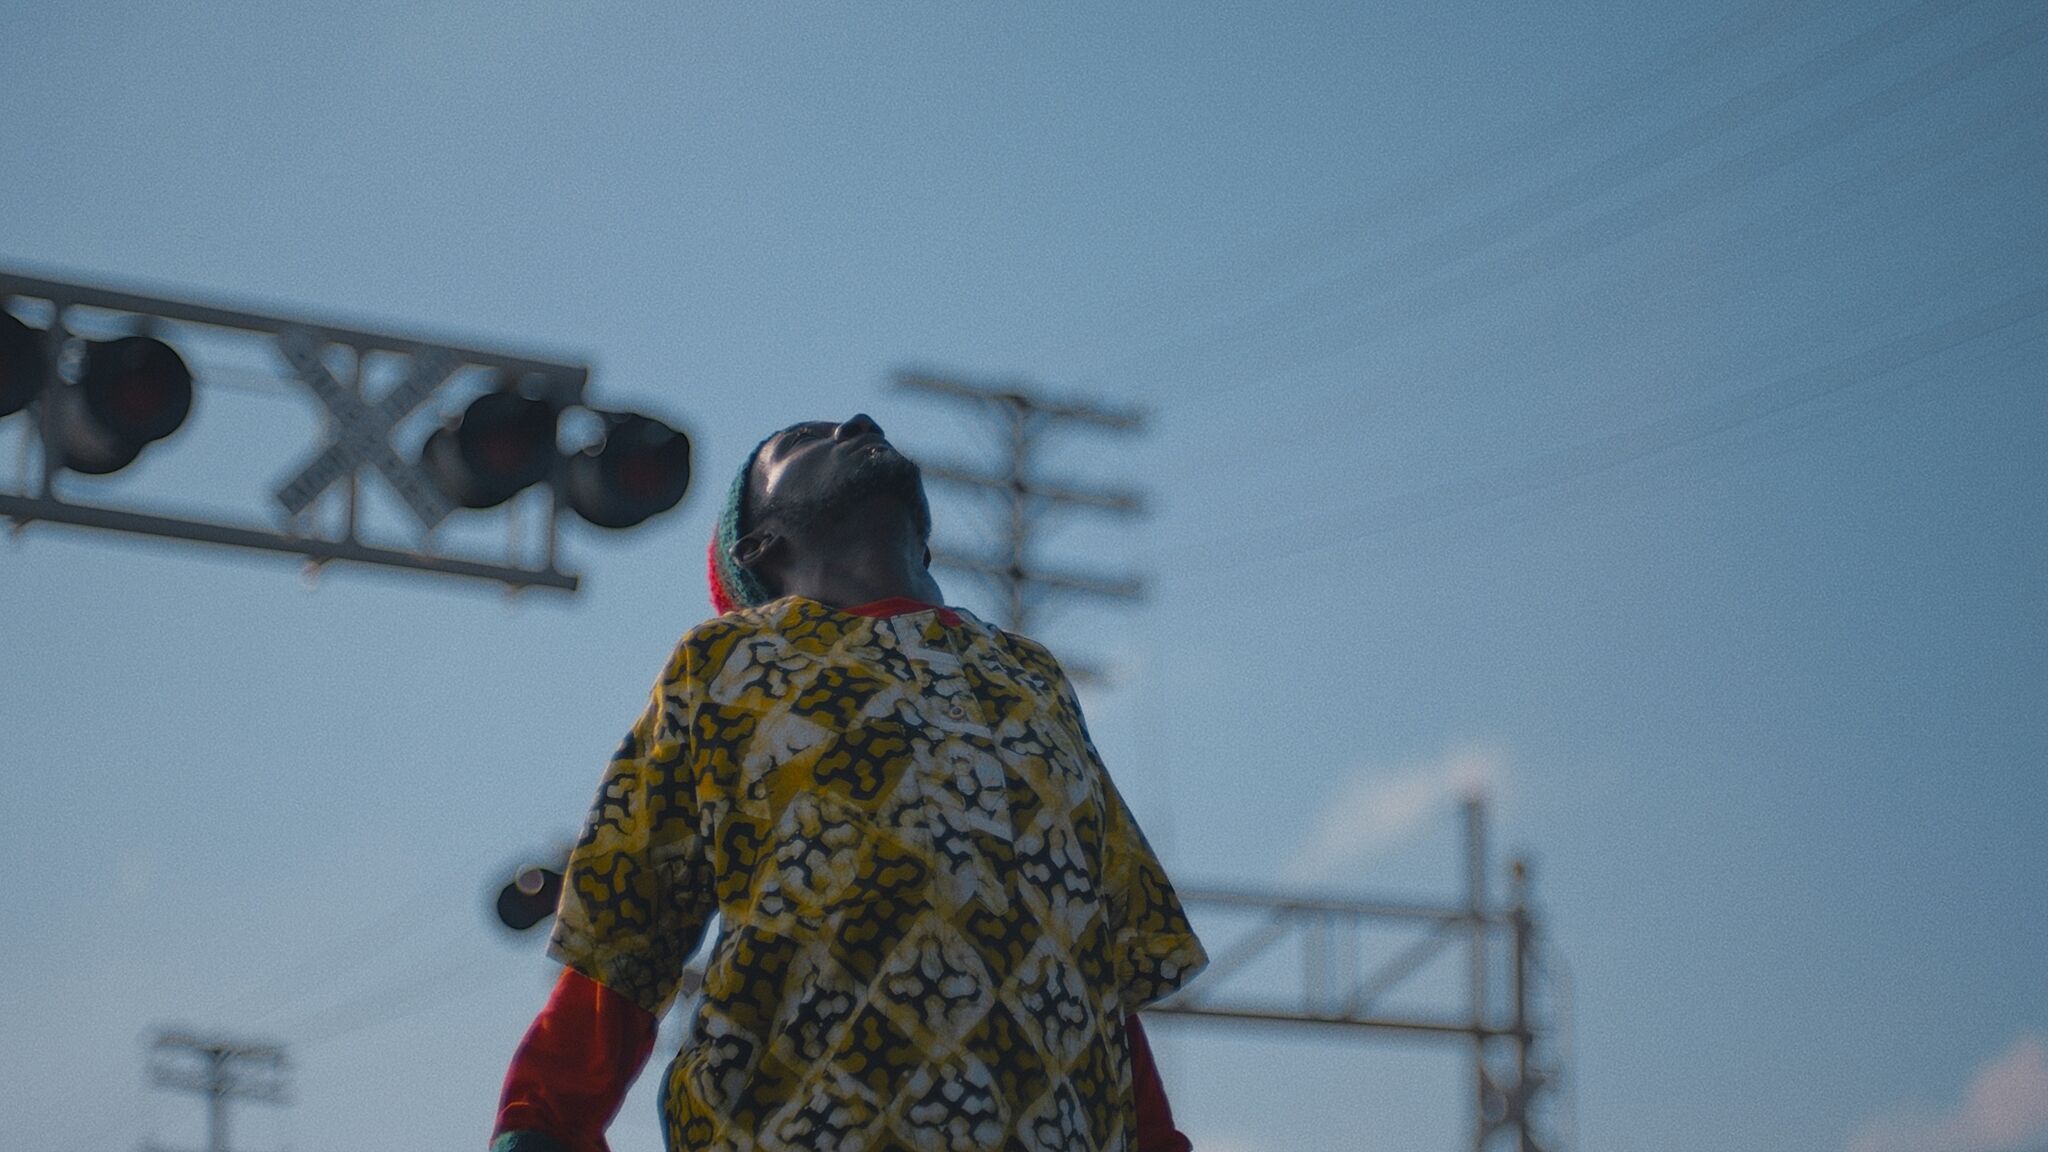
<point>902,605</point>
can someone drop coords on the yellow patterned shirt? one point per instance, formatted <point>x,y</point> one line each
<point>935,908</point>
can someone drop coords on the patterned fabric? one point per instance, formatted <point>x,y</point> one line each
<point>936,910</point>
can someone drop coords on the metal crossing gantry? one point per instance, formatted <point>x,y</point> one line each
<point>1516,1034</point>
<point>98,374</point>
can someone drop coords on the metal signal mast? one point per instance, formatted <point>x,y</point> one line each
<point>1516,1035</point>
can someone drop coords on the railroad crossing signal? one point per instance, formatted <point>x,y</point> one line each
<point>131,391</point>
<point>531,895</point>
<point>92,402</point>
<point>501,444</point>
<point>641,468</point>
<point>123,394</point>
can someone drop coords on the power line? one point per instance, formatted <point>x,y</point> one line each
<point>1621,447</point>
<point>396,1000</point>
<point>1734,250</point>
<point>1430,187</point>
<point>1540,257</point>
<point>2022,351</point>
<point>1473,236</point>
<point>1620,223</point>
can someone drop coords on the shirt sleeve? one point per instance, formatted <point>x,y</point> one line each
<point>572,1070</point>
<point>1153,947</point>
<point>638,894</point>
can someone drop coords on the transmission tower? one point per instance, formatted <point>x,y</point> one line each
<point>220,1069</point>
<point>1022,419</point>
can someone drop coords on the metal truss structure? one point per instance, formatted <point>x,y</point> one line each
<point>329,361</point>
<point>1516,1032</point>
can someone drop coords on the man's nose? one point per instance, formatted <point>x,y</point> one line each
<point>860,425</point>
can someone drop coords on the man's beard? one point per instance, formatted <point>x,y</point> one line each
<point>886,474</point>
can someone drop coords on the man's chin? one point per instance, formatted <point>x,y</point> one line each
<point>882,470</point>
<point>889,475</point>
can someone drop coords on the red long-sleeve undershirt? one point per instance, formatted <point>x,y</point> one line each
<point>587,1046</point>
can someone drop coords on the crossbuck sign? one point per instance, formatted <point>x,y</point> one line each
<point>361,431</point>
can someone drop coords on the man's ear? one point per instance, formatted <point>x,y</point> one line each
<point>751,549</point>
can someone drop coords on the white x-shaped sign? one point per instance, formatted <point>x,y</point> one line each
<point>362,430</point>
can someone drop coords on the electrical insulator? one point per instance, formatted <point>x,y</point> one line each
<point>501,444</point>
<point>640,469</point>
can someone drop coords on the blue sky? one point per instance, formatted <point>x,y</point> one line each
<point>1648,397</point>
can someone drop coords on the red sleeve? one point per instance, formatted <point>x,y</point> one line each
<point>572,1070</point>
<point>1156,1132</point>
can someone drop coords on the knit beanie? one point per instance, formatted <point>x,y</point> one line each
<point>733,587</point>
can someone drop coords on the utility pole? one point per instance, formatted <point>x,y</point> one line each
<point>221,1070</point>
<point>1022,419</point>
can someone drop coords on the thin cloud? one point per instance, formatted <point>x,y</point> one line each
<point>2004,1110</point>
<point>1377,810</point>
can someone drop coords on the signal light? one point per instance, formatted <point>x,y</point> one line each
<point>24,365</point>
<point>530,898</point>
<point>640,469</point>
<point>130,392</point>
<point>501,444</point>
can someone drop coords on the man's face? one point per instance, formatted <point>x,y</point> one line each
<point>818,468</point>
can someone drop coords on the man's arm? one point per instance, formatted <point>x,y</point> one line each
<point>1156,1132</point>
<point>636,900</point>
<point>573,1069</point>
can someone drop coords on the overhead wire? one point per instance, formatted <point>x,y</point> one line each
<point>445,984</point>
<point>1853,408</point>
<point>1746,166</point>
<point>1628,220</point>
<point>1969,139</point>
<point>401,922</point>
<point>1471,237</point>
<point>1357,521</point>
<point>1429,188</point>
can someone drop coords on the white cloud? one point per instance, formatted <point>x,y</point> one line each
<point>2004,1110</point>
<point>1376,810</point>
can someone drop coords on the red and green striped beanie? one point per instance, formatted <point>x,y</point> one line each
<point>732,586</point>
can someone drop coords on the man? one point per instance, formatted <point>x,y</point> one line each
<point>938,918</point>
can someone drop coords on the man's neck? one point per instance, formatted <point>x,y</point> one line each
<point>871,553</point>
